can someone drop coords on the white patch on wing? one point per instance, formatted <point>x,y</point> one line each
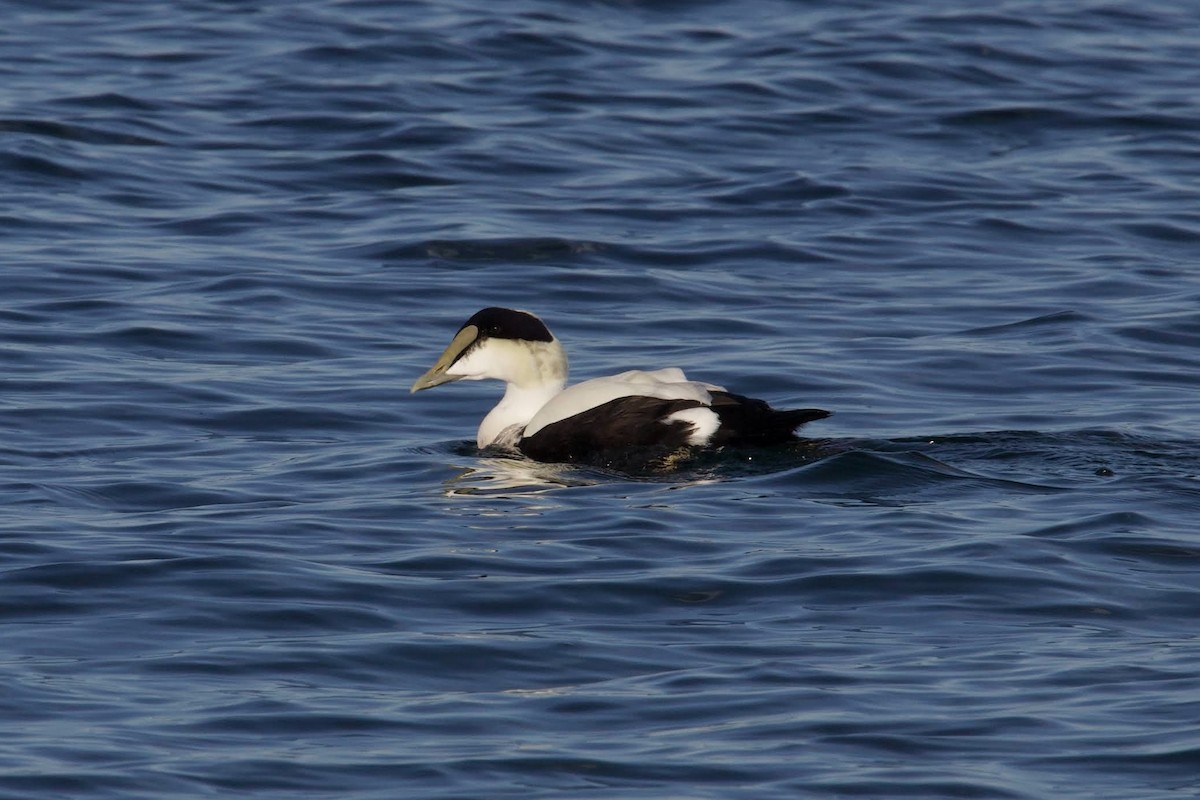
<point>664,384</point>
<point>704,422</point>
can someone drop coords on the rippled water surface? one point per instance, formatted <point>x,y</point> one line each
<point>239,559</point>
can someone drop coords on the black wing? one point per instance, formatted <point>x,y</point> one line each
<point>609,431</point>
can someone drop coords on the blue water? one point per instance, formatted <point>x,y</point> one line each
<point>238,559</point>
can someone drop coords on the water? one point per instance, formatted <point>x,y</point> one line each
<point>240,559</point>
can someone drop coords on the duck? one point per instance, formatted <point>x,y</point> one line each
<point>644,414</point>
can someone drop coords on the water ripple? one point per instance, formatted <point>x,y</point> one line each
<point>240,558</point>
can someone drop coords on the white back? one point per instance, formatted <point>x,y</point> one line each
<point>665,384</point>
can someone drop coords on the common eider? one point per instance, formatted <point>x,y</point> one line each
<point>602,421</point>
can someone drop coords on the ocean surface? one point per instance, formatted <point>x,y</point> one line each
<point>239,559</point>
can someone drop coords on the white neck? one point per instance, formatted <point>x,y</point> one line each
<point>533,372</point>
<point>517,407</point>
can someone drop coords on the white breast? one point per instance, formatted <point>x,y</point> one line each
<point>665,384</point>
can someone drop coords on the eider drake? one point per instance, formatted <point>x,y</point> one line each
<point>598,421</point>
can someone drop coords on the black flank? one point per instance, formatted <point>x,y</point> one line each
<point>608,431</point>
